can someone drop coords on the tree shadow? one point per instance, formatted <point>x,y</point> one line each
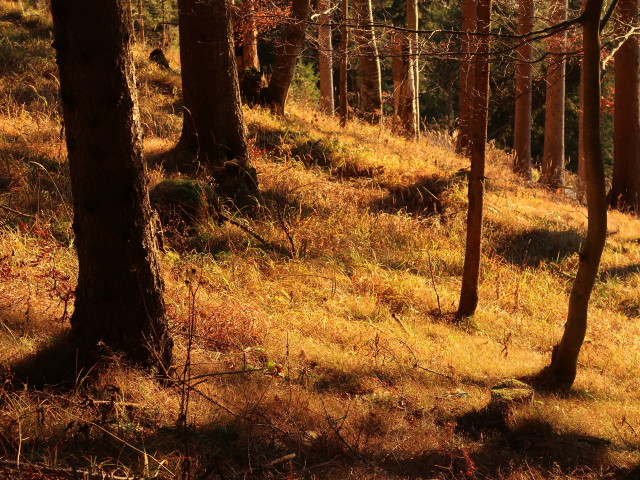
<point>421,198</point>
<point>621,273</point>
<point>532,247</point>
<point>53,365</point>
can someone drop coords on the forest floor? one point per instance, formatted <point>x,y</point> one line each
<point>317,341</point>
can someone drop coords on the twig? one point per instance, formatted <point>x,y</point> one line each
<point>416,363</point>
<point>9,209</point>
<point>69,472</point>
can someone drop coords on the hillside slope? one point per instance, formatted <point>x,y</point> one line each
<point>317,327</point>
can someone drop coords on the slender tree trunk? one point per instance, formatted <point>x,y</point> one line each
<point>213,130</point>
<point>562,371</point>
<point>140,23</point>
<point>477,147</point>
<point>522,126</point>
<point>287,52</point>
<point>406,100</point>
<point>250,38</point>
<point>344,103</point>
<point>325,53</point>
<point>119,300</point>
<point>582,170</point>
<point>465,102</point>
<point>625,184</point>
<point>397,71</point>
<point>553,158</point>
<point>368,61</point>
<point>412,24</point>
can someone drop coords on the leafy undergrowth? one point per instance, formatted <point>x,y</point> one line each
<point>321,342</point>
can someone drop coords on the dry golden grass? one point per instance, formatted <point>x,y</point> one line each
<point>339,321</point>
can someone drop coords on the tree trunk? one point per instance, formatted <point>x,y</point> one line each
<point>368,61</point>
<point>119,300</point>
<point>325,54</point>
<point>287,52</point>
<point>625,184</point>
<point>465,102</point>
<point>553,158</point>
<point>140,23</point>
<point>344,103</point>
<point>406,103</point>
<point>397,71</point>
<point>250,38</point>
<point>562,371</point>
<point>522,124</point>
<point>477,148</point>
<point>412,25</point>
<point>213,131</point>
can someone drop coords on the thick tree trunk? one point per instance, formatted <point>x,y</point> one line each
<point>119,300</point>
<point>625,184</point>
<point>465,102</point>
<point>553,159</point>
<point>413,70</point>
<point>325,54</point>
<point>344,103</point>
<point>368,61</point>
<point>522,124</point>
<point>213,130</point>
<point>477,148</point>
<point>562,371</point>
<point>287,52</point>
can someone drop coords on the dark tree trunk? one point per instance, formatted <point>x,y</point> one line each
<point>552,174</point>
<point>625,184</point>
<point>213,130</point>
<point>465,102</point>
<point>522,124</point>
<point>287,52</point>
<point>368,61</point>
<point>344,103</point>
<point>325,54</point>
<point>477,150</point>
<point>562,371</point>
<point>119,294</point>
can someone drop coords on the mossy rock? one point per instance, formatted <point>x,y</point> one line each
<point>182,201</point>
<point>509,392</point>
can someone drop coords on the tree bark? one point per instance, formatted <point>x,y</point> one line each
<point>250,37</point>
<point>625,183</point>
<point>523,113</point>
<point>325,54</point>
<point>478,142</point>
<point>344,103</point>
<point>412,67</point>
<point>553,158</point>
<point>465,102</point>
<point>287,52</point>
<point>368,61</point>
<point>213,130</point>
<point>119,300</point>
<point>562,371</point>
<point>397,71</point>
<point>140,23</point>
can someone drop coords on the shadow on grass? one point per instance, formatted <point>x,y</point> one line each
<point>532,247</point>
<point>53,364</point>
<point>421,198</point>
<point>621,273</point>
